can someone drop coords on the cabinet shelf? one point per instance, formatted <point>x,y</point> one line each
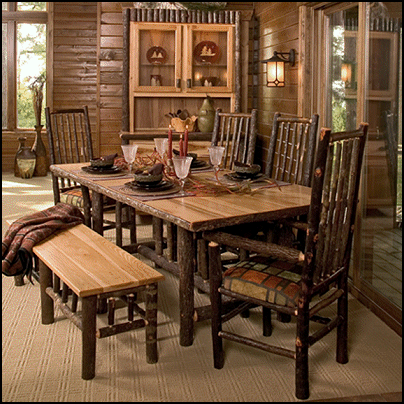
<point>147,103</point>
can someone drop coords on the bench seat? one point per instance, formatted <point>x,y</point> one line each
<point>94,268</point>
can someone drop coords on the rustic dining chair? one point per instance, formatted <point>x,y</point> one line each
<point>289,281</point>
<point>70,141</point>
<point>290,158</point>
<point>291,149</point>
<point>237,133</point>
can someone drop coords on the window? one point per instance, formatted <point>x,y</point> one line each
<point>23,61</point>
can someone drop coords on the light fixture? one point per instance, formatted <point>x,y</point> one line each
<point>276,67</point>
<point>348,74</point>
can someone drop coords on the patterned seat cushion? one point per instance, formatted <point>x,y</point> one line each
<point>73,197</point>
<point>266,279</point>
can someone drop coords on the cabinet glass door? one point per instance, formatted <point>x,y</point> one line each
<point>209,58</point>
<point>156,57</point>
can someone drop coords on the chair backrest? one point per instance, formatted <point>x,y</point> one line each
<point>334,199</point>
<point>237,132</point>
<point>69,135</point>
<point>292,148</point>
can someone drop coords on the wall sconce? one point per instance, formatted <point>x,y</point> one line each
<point>276,67</point>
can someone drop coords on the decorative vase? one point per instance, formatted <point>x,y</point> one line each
<point>26,161</point>
<point>41,167</point>
<point>22,140</point>
<point>206,115</point>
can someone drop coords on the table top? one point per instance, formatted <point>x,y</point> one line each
<point>200,213</point>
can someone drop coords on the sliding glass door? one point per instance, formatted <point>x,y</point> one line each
<point>361,49</point>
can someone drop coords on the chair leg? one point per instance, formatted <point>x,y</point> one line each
<point>342,329</point>
<point>283,317</point>
<point>302,354</point>
<point>266,322</point>
<point>215,272</point>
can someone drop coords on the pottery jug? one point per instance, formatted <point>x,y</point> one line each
<point>26,161</point>
<point>21,140</point>
<point>206,115</point>
<point>41,167</point>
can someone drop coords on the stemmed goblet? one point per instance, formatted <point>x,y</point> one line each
<point>182,164</point>
<point>216,154</point>
<point>129,152</point>
<point>161,146</point>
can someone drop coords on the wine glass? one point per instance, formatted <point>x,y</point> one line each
<point>216,154</point>
<point>182,165</point>
<point>129,152</point>
<point>161,146</point>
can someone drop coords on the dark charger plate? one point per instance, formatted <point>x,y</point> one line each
<point>241,177</point>
<point>161,186</point>
<point>101,170</point>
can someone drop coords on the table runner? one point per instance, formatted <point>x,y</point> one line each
<point>196,186</point>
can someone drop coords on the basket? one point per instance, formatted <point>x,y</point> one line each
<point>179,125</point>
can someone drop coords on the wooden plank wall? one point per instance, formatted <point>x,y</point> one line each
<point>75,59</point>
<point>278,30</point>
<point>87,67</point>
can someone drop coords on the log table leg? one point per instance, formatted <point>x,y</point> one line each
<point>186,256</point>
<point>151,323</point>
<point>98,226</point>
<point>98,212</point>
<point>87,205</point>
<point>89,311</point>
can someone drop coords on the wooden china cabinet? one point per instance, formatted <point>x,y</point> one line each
<point>172,60</point>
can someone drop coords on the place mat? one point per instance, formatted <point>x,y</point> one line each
<point>98,177</point>
<point>146,195</point>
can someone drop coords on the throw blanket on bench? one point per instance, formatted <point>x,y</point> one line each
<point>25,232</point>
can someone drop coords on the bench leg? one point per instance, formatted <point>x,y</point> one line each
<point>45,280</point>
<point>89,310</point>
<point>151,323</point>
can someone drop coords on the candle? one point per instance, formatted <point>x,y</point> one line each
<point>181,145</point>
<point>186,140</point>
<point>170,143</point>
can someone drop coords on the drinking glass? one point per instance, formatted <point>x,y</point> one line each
<point>129,152</point>
<point>161,146</point>
<point>216,154</point>
<point>182,165</point>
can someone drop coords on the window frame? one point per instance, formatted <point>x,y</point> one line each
<point>12,17</point>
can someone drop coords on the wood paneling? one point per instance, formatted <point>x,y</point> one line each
<point>74,70</point>
<point>86,66</point>
<point>278,24</point>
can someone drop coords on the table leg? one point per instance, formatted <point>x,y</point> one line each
<point>87,205</point>
<point>98,212</point>
<point>186,262</point>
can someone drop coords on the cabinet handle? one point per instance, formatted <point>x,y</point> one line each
<point>189,83</point>
<point>178,85</point>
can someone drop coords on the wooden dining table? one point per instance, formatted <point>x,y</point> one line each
<point>192,215</point>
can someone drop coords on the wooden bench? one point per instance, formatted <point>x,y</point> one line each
<point>94,268</point>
